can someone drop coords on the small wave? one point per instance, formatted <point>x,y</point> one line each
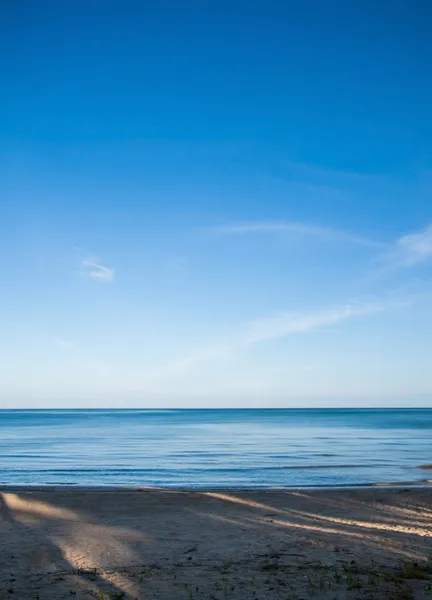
<point>301,467</point>
<point>190,469</point>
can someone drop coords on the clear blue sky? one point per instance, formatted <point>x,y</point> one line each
<point>215,204</point>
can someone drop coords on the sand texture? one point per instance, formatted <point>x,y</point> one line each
<point>220,545</point>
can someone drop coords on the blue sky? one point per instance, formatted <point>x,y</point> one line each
<point>215,204</point>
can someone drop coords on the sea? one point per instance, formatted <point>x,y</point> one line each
<point>260,448</point>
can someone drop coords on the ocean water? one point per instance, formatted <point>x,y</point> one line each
<point>215,448</point>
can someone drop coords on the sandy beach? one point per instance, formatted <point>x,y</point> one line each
<point>161,544</point>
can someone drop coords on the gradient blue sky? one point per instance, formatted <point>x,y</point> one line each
<point>215,204</point>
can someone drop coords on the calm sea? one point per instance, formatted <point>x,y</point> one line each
<point>214,448</point>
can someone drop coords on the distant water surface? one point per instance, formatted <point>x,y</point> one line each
<point>215,448</point>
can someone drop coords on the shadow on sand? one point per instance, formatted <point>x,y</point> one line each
<point>77,543</point>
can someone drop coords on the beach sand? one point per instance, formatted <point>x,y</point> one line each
<point>217,545</point>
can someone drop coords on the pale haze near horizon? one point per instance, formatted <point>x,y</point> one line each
<point>216,208</point>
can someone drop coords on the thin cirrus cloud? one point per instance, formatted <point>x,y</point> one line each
<point>274,227</point>
<point>265,329</point>
<point>177,263</point>
<point>62,342</point>
<point>408,251</point>
<point>413,248</point>
<point>95,270</point>
<point>287,323</point>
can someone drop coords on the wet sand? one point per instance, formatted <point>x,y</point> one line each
<point>218,545</point>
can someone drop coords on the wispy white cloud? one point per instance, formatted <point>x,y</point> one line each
<point>97,271</point>
<point>273,227</point>
<point>413,248</point>
<point>314,172</point>
<point>265,329</point>
<point>409,250</point>
<point>177,263</point>
<point>62,343</point>
<point>287,323</point>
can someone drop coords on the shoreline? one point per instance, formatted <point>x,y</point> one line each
<point>413,484</point>
<point>219,543</point>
